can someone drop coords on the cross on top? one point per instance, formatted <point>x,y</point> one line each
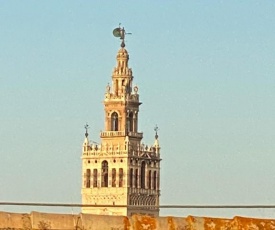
<point>156,130</point>
<point>86,128</point>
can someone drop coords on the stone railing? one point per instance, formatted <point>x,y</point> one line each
<point>134,134</point>
<point>120,134</point>
<point>143,191</point>
<point>48,221</point>
<point>128,97</point>
<point>112,134</point>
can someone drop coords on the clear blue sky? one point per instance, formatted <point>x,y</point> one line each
<point>206,76</point>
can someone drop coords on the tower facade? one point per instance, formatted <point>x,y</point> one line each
<point>121,170</point>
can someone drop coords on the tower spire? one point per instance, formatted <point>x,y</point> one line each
<point>122,75</point>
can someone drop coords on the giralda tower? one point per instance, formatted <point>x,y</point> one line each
<point>121,172</point>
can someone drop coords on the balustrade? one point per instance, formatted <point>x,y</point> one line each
<point>120,133</point>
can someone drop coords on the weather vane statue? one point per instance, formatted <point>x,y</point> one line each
<point>120,33</point>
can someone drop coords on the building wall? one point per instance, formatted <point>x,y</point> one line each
<point>47,221</point>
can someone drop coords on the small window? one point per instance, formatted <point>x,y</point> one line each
<point>104,174</point>
<point>130,123</point>
<point>142,175</point>
<point>88,178</point>
<point>95,178</point>
<point>136,178</point>
<point>113,177</point>
<point>155,180</point>
<point>120,175</point>
<point>131,177</point>
<point>114,122</point>
<point>149,179</point>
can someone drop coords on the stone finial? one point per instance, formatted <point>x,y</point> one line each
<point>86,128</point>
<point>156,143</point>
<point>108,88</point>
<point>86,141</point>
<point>156,130</point>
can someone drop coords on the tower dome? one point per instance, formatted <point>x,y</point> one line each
<point>122,57</point>
<point>122,53</point>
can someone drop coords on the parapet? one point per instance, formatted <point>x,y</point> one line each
<point>52,221</point>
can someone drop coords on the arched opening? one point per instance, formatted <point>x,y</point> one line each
<point>88,178</point>
<point>149,179</point>
<point>120,176</point>
<point>116,87</point>
<point>130,122</point>
<point>114,121</point>
<point>113,177</point>
<point>131,178</point>
<point>104,174</point>
<point>136,178</point>
<point>155,180</point>
<point>142,175</point>
<point>95,178</point>
<point>123,87</point>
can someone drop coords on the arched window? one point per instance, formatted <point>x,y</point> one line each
<point>155,180</point>
<point>113,177</point>
<point>116,87</point>
<point>149,179</point>
<point>131,178</point>
<point>104,174</point>
<point>88,178</point>
<point>114,122</point>
<point>95,178</point>
<point>120,175</point>
<point>136,178</point>
<point>130,122</point>
<point>142,175</point>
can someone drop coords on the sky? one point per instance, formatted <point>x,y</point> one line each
<point>205,72</point>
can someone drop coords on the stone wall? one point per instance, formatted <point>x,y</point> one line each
<point>50,221</point>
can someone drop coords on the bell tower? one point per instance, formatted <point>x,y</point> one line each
<point>121,174</point>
